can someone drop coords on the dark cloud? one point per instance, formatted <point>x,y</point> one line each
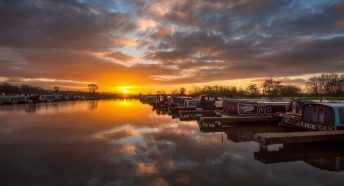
<point>191,41</point>
<point>59,24</point>
<point>119,56</point>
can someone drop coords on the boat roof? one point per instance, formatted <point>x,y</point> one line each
<point>330,104</point>
<point>260,101</point>
<point>207,95</point>
<point>274,102</point>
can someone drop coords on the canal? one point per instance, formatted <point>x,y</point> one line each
<point>125,142</point>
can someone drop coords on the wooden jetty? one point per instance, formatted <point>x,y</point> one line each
<point>298,152</point>
<point>234,119</point>
<point>266,139</point>
<point>240,133</point>
<point>326,156</point>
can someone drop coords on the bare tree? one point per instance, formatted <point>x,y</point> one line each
<point>182,90</point>
<point>326,85</point>
<point>92,88</point>
<point>57,89</point>
<point>289,90</point>
<point>313,86</point>
<point>252,90</point>
<point>271,87</point>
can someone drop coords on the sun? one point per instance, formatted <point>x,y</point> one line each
<point>124,89</point>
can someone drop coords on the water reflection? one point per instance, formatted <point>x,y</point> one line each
<point>126,143</point>
<point>323,156</point>
<point>241,132</point>
<point>93,104</point>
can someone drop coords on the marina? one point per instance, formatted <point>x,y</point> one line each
<point>109,135</point>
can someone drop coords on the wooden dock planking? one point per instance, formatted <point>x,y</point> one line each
<point>232,119</point>
<point>298,137</point>
<point>297,154</point>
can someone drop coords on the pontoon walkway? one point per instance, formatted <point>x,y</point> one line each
<point>298,137</point>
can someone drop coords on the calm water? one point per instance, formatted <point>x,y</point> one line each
<point>126,143</point>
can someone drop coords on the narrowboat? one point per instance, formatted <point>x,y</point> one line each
<point>180,100</point>
<point>203,104</point>
<point>246,111</point>
<point>251,107</point>
<point>207,102</point>
<point>22,99</point>
<point>314,116</point>
<point>13,99</point>
<point>50,98</point>
<point>294,108</point>
<point>5,100</point>
<point>147,99</point>
<point>191,103</point>
<point>79,97</point>
<point>181,103</point>
<point>160,99</point>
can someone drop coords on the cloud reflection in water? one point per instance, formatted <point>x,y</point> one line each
<point>117,144</point>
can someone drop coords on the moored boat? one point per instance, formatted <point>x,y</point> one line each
<point>246,111</point>
<point>314,116</point>
<point>252,107</point>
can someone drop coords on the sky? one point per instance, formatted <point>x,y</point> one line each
<point>150,45</point>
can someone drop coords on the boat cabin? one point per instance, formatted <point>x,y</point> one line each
<point>161,98</point>
<point>6,99</point>
<point>180,100</point>
<point>323,116</point>
<point>250,107</point>
<point>49,98</point>
<point>297,106</point>
<point>191,103</point>
<point>207,101</point>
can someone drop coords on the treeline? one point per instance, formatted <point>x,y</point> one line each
<point>325,85</point>
<point>8,89</point>
<point>270,88</point>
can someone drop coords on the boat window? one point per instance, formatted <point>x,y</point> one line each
<point>308,114</point>
<point>329,117</point>
<point>341,115</point>
<point>321,115</point>
<point>314,114</point>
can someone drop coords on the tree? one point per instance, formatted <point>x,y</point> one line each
<point>182,90</point>
<point>92,88</point>
<point>289,90</point>
<point>271,87</point>
<point>313,86</point>
<point>56,89</point>
<point>252,90</point>
<point>326,85</point>
<point>160,92</point>
<point>174,92</point>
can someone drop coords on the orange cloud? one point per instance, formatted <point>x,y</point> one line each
<point>145,24</point>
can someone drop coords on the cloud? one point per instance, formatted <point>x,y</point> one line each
<point>59,25</point>
<point>145,24</point>
<point>119,56</point>
<point>169,42</point>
